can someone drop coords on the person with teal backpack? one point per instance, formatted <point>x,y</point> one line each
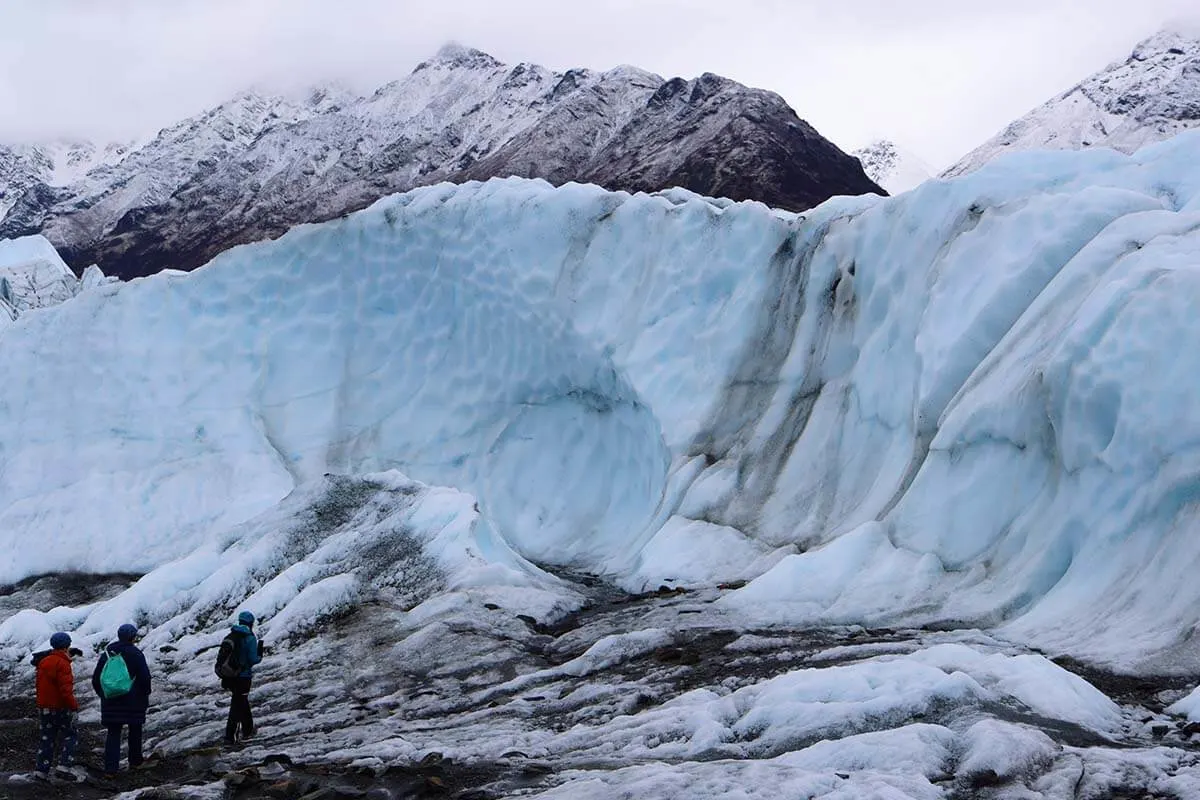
<point>237,656</point>
<point>122,681</point>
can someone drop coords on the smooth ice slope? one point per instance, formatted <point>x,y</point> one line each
<point>973,402</point>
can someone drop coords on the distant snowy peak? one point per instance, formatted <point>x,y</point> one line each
<point>893,168</point>
<point>458,55</point>
<point>42,168</point>
<point>1150,96</point>
<point>64,161</point>
<point>262,162</point>
<point>235,123</point>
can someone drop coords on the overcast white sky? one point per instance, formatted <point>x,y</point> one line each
<point>937,76</point>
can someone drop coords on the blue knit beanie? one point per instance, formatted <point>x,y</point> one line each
<point>60,641</point>
<point>246,618</point>
<point>127,633</point>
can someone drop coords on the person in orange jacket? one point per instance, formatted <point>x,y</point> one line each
<point>57,707</point>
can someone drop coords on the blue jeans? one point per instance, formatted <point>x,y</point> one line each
<point>58,734</point>
<point>112,746</point>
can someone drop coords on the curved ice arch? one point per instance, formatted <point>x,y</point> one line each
<point>545,349</point>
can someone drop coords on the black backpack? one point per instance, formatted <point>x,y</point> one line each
<point>228,666</point>
<point>37,657</point>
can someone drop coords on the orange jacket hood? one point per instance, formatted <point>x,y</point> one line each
<point>56,682</point>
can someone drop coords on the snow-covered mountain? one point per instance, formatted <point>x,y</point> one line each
<point>892,167</point>
<point>1150,96</point>
<point>42,168</point>
<point>253,167</point>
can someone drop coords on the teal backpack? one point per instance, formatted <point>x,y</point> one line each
<point>115,680</point>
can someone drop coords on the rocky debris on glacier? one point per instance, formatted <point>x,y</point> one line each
<point>1152,95</point>
<point>661,694</point>
<point>259,164</point>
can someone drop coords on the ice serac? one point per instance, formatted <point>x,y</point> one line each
<point>32,275</point>
<point>1152,95</point>
<point>970,403</point>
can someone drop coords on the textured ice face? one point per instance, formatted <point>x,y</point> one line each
<point>970,402</point>
<point>480,337</point>
<point>32,275</point>
<point>1007,444</point>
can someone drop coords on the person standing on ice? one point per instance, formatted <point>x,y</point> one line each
<point>124,690</point>
<point>240,651</point>
<point>57,707</point>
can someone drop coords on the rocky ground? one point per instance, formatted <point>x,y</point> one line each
<point>469,705</point>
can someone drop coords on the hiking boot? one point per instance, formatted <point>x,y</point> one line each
<point>41,775</point>
<point>70,774</point>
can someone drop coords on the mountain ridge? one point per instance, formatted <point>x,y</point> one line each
<point>258,164</point>
<point>1149,96</point>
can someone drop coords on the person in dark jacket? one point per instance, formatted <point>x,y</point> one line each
<point>57,706</point>
<point>127,709</point>
<point>246,651</point>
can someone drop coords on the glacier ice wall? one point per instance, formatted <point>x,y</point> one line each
<point>972,402</point>
<point>1011,441</point>
<point>469,336</point>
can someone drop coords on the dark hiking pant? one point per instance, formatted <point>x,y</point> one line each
<point>112,746</point>
<point>239,710</point>
<point>58,735</point>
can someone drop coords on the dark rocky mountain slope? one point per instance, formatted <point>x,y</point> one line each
<point>257,165</point>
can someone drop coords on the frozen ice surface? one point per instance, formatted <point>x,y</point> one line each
<point>392,637</point>
<point>383,687</point>
<point>693,553</point>
<point>329,547</point>
<point>971,404</point>
<point>1188,706</point>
